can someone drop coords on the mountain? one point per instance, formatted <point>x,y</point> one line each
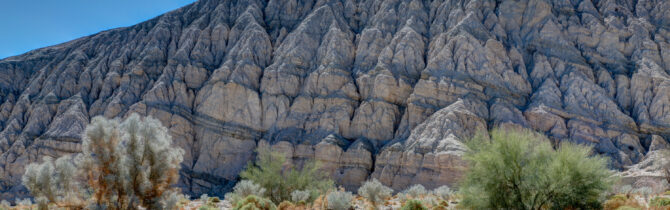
<point>386,89</point>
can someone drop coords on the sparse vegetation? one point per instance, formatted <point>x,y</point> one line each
<point>443,192</point>
<point>244,188</point>
<point>136,172</point>
<point>4,204</point>
<point>442,205</point>
<point>520,170</point>
<point>618,201</point>
<point>626,189</point>
<point>660,202</point>
<point>339,200</point>
<point>171,200</point>
<point>123,165</point>
<point>280,182</point>
<point>23,202</point>
<point>374,192</point>
<point>300,197</point>
<point>644,191</point>
<point>51,183</point>
<point>254,202</point>
<point>413,205</point>
<point>415,191</point>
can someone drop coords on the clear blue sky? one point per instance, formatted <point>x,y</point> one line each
<point>30,24</point>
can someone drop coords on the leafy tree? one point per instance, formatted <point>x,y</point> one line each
<point>280,181</point>
<point>520,170</point>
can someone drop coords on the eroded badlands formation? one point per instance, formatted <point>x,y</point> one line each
<point>388,89</point>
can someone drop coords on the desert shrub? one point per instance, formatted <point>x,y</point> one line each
<point>300,197</point>
<point>629,208</point>
<point>171,200</point>
<point>644,191</point>
<point>617,201</point>
<point>521,170</point>
<point>415,191</point>
<point>206,207</point>
<point>254,202</point>
<point>243,189</point>
<point>134,160</point>
<point>429,201</point>
<point>23,202</point>
<point>442,205</point>
<point>339,200</point>
<point>659,202</point>
<point>374,191</point>
<point>4,204</point>
<point>286,205</point>
<point>413,205</point>
<point>443,192</point>
<point>122,165</point>
<point>663,186</point>
<point>626,189</point>
<point>51,182</point>
<point>279,181</point>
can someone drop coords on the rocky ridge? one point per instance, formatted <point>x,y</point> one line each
<point>386,89</point>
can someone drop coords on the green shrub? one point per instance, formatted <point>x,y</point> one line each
<point>413,205</point>
<point>338,200</point>
<point>254,202</point>
<point>520,170</point>
<point>659,202</point>
<point>280,182</point>
<point>374,191</point>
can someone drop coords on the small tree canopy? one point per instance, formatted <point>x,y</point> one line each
<point>520,170</point>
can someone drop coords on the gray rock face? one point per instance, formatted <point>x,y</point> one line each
<point>388,89</point>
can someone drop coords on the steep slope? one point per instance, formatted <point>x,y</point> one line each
<point>381,88</point>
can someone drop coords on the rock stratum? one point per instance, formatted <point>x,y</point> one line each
<point>386,89</point>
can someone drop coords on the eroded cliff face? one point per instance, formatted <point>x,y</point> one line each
<point>388,89</point>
